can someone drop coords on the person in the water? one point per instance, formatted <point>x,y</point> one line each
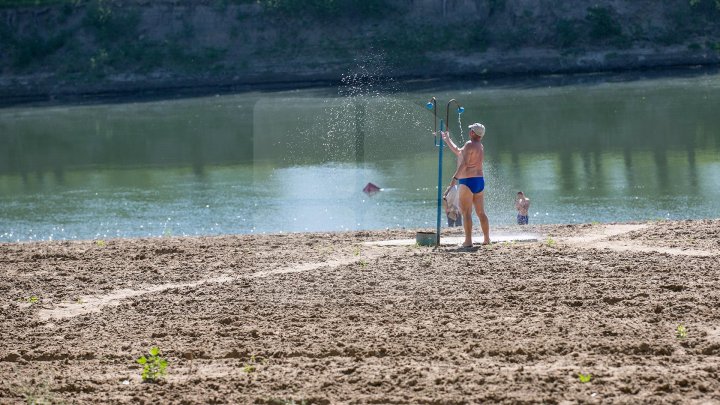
<point>522,205</point>
<point>469,175</point>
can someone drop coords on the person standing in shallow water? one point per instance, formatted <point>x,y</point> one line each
<point>469,175</point>
<point>522,205</point>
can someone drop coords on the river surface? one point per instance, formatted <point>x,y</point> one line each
<point>599,150</point>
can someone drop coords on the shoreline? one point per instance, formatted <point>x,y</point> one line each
<point>52,94</point>
<point>541,231</point>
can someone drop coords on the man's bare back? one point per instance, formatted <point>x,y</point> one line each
<point>472,160</point>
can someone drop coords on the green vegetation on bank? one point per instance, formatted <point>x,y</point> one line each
<point>325,8</point>
<point>320,7</point>
<point>93,39</point>
<point>704,3</point>
<point>107,39</point>
<point>330,8</point>
<point>20,3</point>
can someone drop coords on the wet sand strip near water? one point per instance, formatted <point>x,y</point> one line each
<point>331,318</point>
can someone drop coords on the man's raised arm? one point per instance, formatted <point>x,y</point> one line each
<point>449,142</point>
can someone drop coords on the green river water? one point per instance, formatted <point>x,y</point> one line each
<point>292,161</point>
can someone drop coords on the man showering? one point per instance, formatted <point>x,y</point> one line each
<point>469,175</point>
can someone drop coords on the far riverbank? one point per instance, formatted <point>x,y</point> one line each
<point>40,91</point>
<point>92,49</point>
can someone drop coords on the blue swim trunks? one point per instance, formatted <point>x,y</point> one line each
<point>522,219</point>
<point>475,184</point>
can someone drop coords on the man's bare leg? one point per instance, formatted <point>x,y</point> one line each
<point>466,204</point>
<point>479,202</point>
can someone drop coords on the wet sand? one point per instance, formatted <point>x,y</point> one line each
<point>328,318</point>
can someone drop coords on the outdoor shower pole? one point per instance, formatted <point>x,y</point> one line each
<point>432,106</point>
<point>440,146</point>
<point>460,110</point>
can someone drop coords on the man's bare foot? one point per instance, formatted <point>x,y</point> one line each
<point>465,245</point>
<point>466,248</point>
<point>486,242</point>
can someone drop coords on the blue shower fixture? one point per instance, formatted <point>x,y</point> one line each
<point>432,105</point>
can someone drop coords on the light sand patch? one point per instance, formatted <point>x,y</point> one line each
<point>604,232</point>
<point>95,303</point>
<point>457,240</point>
<point>631,246</point>
<point>597,239</point>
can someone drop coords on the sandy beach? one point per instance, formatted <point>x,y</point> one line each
<point>331,318</point>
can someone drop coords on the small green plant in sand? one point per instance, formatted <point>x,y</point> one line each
<point>681,332</point>
<point>356,251</point>
<point>251,366</point>
<point>154,366</point>
<point>100,243</point>
<point>31,300</point>
<point>584,378</point>
<point>363,263</point>
<point>550,242</point>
